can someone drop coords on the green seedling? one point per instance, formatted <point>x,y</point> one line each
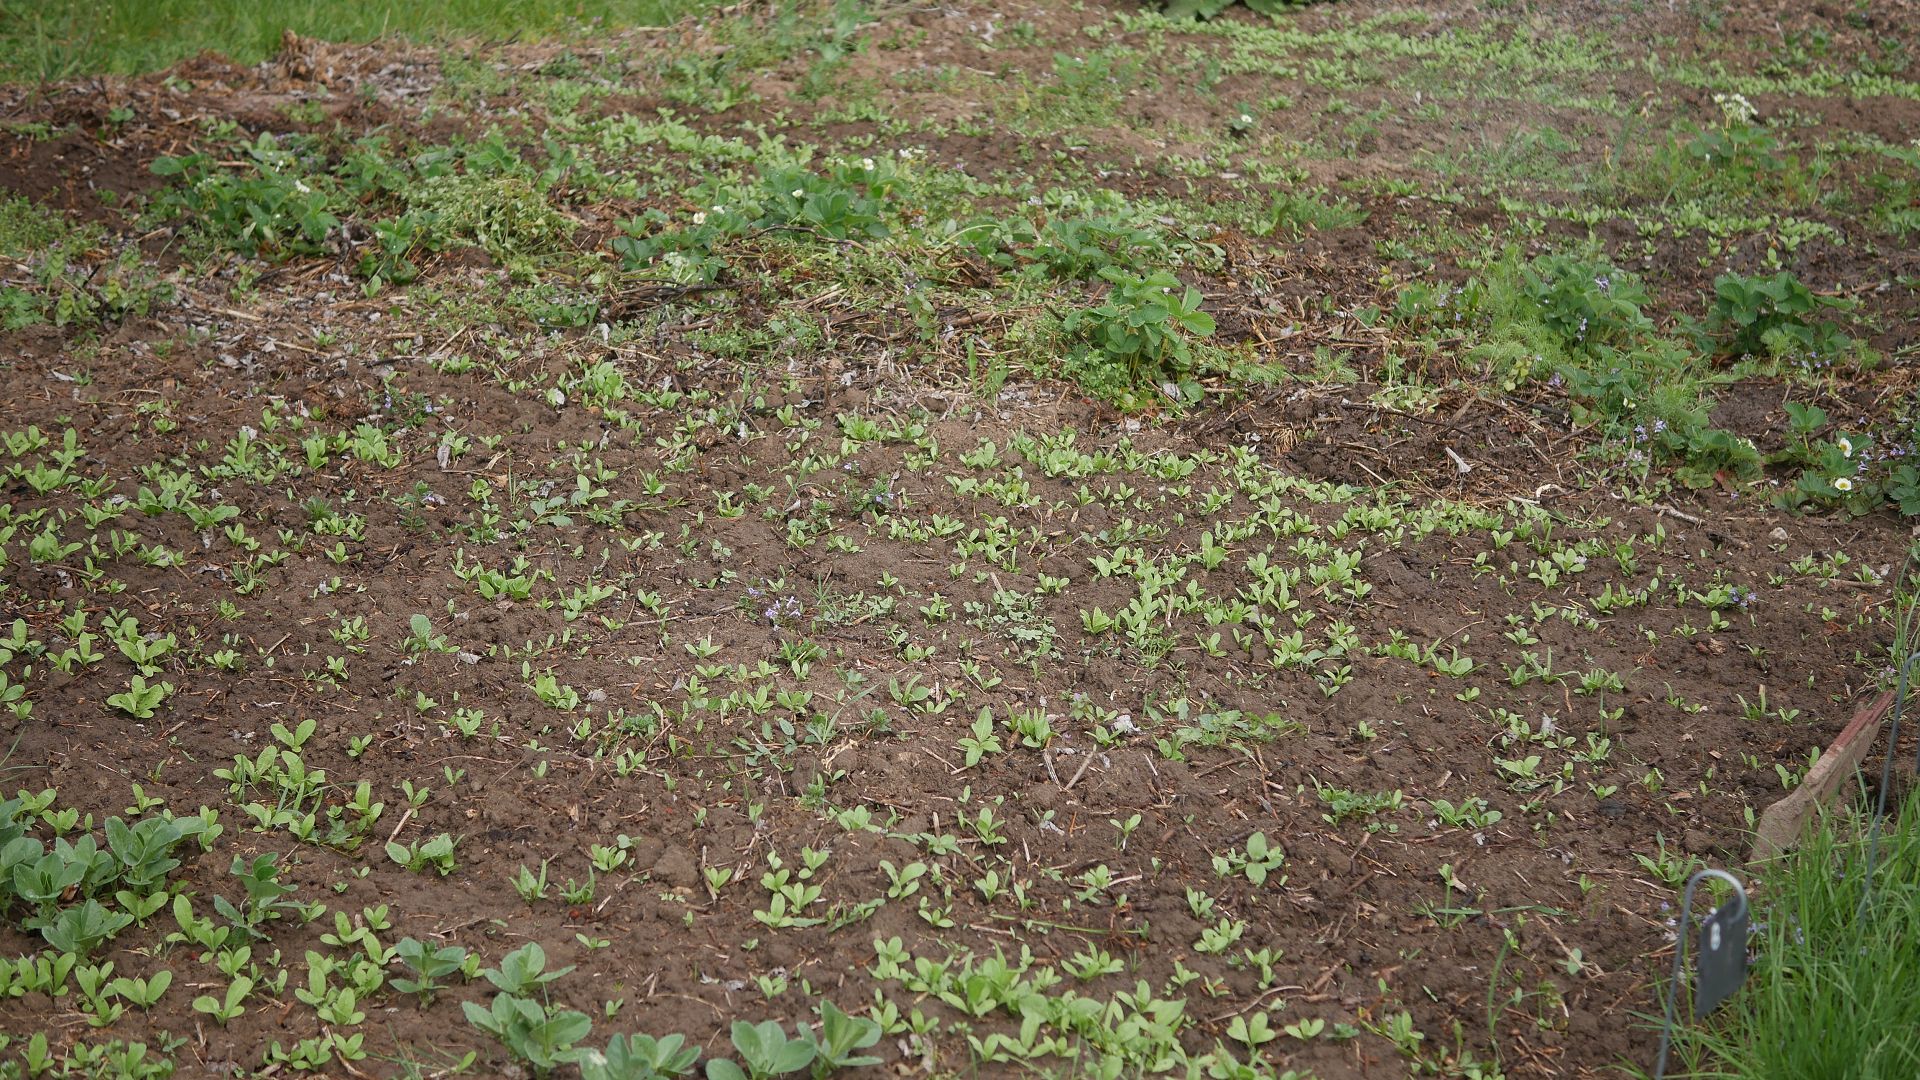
<point>265,894</point>
<point>428,964</point>
<point>82,929</point>
<point>145,993</point>
<point>839,1036</point>
<point>639,1057</point>
<point>535,1033</point>
<point>1255,861</point>
<point>767,1051</point>
<point>140,699</point>
<point>983,741</point>
<point>227,1007</point>
<point>435,852</point>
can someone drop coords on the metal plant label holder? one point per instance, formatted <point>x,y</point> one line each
<point>1721,942</point>
<point>1720,951</point>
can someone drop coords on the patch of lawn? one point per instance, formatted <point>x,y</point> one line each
<point>56,39</point>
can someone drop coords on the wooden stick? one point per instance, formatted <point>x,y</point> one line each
<point>1783,823</point>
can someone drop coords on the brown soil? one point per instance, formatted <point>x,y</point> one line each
<point>1363,926</point>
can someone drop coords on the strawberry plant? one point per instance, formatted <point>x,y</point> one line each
<point>1586,301</point>
<point>1771,316</point>
<point>267,208</point>
<point>846,202</point>
<point>1082,246</point>
<point>1138,338</point>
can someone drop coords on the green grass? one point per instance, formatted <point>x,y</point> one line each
<point>1831,993</point>
<point>57,39</point>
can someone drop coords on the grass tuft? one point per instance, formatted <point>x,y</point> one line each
<point>1831,991</point>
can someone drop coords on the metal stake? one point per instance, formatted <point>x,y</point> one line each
<point>1680,953</point>
<point>1886,776</point>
